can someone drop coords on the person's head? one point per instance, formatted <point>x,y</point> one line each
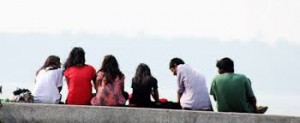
<point>109,62</point>
<point>52,61</point>
<point>142,72</point>
<point>174,63</point>
<point>225,65</point>
<point>110,68</point>
<point>76,58</point>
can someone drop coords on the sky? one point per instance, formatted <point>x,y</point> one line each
<point>243,20</point>
<point>261,36</point>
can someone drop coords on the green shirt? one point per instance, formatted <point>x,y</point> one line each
<point>232,92</point>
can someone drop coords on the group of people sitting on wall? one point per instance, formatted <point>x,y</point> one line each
<point>231,91</point>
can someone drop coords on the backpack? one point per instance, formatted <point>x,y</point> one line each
<point>22,96</point>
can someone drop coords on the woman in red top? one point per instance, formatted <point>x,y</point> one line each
<point>79,76</point>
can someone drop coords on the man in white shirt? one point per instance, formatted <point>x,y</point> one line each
<point>192,90</point>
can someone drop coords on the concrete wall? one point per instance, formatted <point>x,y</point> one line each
<point>37,113</point>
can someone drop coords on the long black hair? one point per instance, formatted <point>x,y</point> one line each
<point>142,72</point>
<point>110,68</point>
<point>76,58</point>
<point>52,61</point>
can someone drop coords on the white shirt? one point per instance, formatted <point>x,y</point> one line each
<point>193,87</point>
<point>46,86</point>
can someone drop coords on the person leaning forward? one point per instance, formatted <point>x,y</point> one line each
<point>192,91</point>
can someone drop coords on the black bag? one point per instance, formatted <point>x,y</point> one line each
<point>23,96</point>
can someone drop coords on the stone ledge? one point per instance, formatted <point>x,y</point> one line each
<point>48,113</point>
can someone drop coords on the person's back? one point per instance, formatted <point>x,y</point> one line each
<point>79,77</point>
<point>141,91</point>
<point>48,81</point>
<point>195,93</point>
<point>46,86</point>
<point>192,93</point>
<point>109,94</point>
<point>79,84</point>
<point>232,92</point>
<point>110,84</point>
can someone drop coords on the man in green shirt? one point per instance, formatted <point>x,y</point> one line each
<point>232,91</point>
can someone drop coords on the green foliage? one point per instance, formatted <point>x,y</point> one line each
<point>5,100</point>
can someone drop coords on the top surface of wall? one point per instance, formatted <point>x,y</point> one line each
<point>33,113</point>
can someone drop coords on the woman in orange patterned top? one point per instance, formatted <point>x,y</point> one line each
<point>110,84</point>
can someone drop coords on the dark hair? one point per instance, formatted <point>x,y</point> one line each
<point>226,64</point>
<point>142,72</point>
<point>52,61</point>
<point>18,91</point>
<point>110,68</point>
<point>175,61</point>
<point>76,58</point>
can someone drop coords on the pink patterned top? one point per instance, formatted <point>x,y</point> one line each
<point>109,94</point>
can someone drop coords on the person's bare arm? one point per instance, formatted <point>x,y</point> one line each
<point>95,83</point>
<point>155,95</point>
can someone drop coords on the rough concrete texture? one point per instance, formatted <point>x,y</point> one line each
<point>42,113</point>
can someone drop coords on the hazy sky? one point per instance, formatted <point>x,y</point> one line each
<point>262,36</point>
<point>244,20</point>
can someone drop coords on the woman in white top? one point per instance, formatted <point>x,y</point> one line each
<point>48,82</point>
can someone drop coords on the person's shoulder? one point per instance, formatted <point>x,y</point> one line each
<point>59,70</point>
<point>122,76</point>
<point>218,76</point>
<point>242,77</point>
<point>183,67</point>
<point>153,79</point>
<point>90,67</point>
<point>42,71</point>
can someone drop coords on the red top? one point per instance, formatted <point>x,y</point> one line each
<point>79,84</point>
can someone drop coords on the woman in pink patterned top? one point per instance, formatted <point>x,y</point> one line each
<point>109,84</point>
